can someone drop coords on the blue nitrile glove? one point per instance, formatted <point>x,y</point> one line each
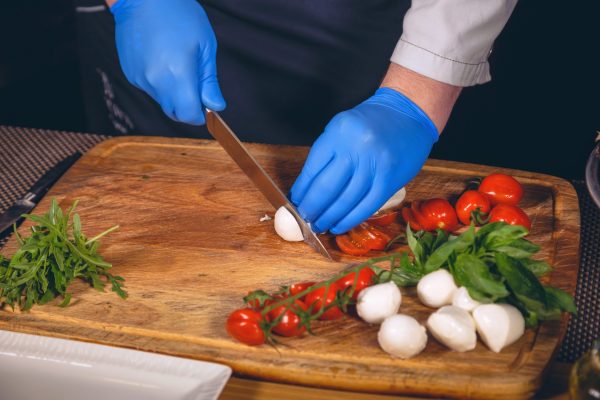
<point>364,156</point>
<point>168,49</point>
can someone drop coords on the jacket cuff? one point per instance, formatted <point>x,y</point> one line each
<point>438,67</point>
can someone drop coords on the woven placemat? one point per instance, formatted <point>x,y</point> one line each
<point>27,153</point>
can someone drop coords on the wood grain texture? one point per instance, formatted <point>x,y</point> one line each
<point>191,245</point>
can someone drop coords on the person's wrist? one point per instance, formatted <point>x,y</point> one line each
<point>436,99</point>
<point>111,3</point>
<point>401,104</point>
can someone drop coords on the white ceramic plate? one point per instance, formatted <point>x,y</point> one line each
<point>38,367</point>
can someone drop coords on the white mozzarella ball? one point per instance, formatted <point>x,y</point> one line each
<point>453,327</point>
<point>499,325</point>
<point>436,288</point>
<point>463,300</point>
<point>286,226</point>
<point>376,303</point>
<point>394,201</point>
<point>402,336</point>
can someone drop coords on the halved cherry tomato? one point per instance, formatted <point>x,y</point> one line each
<point>245,325</point>
<point>501,189</point>
<point>435,213</point>
<point>383,219</point>
<point>323,297</point>
<point>470,201</point>
<point>289,324</point>
<point>410,219</point>
<point>365,279</point>
<point>300,287</point>
<point>348,246</point>
<point>369,237</point>
<point>510,214</point>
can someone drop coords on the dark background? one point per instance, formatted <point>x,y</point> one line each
<point>539,113</point>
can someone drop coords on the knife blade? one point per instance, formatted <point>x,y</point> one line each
<point>238,152</point>
<point>37,191</point>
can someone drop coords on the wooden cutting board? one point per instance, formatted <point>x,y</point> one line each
<point>190,245</point>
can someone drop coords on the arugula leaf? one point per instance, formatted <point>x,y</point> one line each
<point>48,261</point>
<point>471,272</point>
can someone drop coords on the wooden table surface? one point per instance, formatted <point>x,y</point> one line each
<point>555,387</point>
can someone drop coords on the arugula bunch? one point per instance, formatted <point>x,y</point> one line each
<point>494,264</point>
<point>50,259</point>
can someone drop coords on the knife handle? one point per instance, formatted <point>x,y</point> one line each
<point>50,177</point>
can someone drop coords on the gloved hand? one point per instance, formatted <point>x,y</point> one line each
<point>364,156</point>
<point>167,48</point>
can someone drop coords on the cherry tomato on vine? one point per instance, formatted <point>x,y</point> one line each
<point>323,297</point>
<point>369,237</point>
<point>501,189</point>
<point>410,219</point>
<point>435,214</point>
<point>300,287</point>
<point>470,201</point>
<point>290,322</point>
<point>348,246</point>
<point>364,280</point>
<point>257,299</point>
<point>383,219</point>
<point>510,214</point>
<point>245,325</point>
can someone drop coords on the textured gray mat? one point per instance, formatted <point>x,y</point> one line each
<point>25,154</point>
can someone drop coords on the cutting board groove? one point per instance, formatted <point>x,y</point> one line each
<point>191,245</point>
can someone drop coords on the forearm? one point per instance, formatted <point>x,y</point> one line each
<point>110,2</point>
<point>435,98</point>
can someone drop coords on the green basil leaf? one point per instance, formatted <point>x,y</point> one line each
<point>558,298</point>
<point>523,283</point>
<point>538,267</point>
<point>414,245</point>
<point>520,248</point>
<point>469,271</point>
<point>503,235</point>
<point>440,256</point>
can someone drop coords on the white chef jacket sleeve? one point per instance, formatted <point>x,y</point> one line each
<point>451,40</point>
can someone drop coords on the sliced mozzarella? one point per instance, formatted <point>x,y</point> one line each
<point>453,327</point>
<point>286,226</point>
<point>499,325</point>
<point>402,336</point>
<point>376,303</point>
<point>463,300</point>
<point>436,288</point>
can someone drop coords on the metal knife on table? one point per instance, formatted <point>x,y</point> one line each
<point>236,150</point>
<point>37,191</point>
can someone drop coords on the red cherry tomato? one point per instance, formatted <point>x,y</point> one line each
<point>369,237</point>
<point>245,325</point>
<point>410,219</point>
<point>501,189</point>
<point>365,279</point>
<point>512,215</point>
<point>289,324</point>
<point>348,246</point>
<point>300,287</point>
<point>257,299</point>
<point>470,201</point>
<point>435,213</point>
<point>323,297</point>
<point>383,219</point>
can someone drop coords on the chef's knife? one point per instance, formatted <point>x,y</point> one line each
<point>27,202</point>
<point>236,150</point>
